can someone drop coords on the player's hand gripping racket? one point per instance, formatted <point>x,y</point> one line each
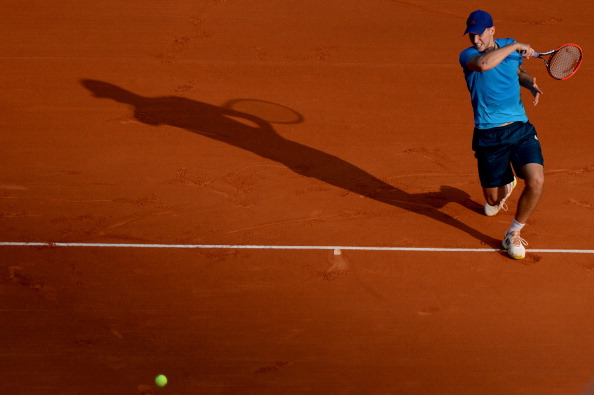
<point>562,62</point>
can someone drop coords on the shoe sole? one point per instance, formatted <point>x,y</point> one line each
<point>496,211</point>
<point>517,257</point>
<point>490,213</point>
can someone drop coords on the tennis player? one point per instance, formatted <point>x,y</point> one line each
<point>504,142</point>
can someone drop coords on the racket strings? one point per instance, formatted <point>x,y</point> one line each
<point>565,62</point>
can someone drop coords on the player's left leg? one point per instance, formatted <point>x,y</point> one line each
<point>493,149</point>
<point>495,198</point>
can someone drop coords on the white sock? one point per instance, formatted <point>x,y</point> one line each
<point>515,227</point>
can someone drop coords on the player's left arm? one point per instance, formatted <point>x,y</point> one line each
<point>529,83</point>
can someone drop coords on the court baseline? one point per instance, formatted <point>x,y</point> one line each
<point>276,247</point>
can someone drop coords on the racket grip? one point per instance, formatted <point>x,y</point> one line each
<point>534,55</point>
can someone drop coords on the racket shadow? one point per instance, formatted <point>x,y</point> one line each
<point>259,137</point>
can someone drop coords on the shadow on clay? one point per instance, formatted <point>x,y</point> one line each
<point>252,133</point>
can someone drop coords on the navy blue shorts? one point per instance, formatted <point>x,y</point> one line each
<point>503,150</point>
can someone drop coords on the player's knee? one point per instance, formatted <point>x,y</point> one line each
<point>492,201</point>
<point>535,182</point>
<point>491,196</point>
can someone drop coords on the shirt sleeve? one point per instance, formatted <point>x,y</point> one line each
<point>466,55</point>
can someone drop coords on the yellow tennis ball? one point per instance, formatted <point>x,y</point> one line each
<point>161,380</point>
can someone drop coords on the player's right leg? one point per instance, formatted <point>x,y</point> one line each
<point>528,162</point>
<point>530,197</point>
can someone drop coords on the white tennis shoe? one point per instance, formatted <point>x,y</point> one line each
<point>514,245</point>
<point>493,210</point>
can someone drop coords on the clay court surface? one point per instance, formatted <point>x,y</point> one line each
<point>282,124</point>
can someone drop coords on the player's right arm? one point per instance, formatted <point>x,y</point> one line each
<point>491,59</point>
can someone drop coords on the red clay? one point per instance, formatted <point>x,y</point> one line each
<point>310,123</point>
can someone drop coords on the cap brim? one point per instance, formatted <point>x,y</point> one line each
<point>474,29</point>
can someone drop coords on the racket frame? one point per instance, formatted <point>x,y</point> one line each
<point>552,53</point>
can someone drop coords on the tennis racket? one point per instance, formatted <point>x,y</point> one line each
<point>268,111</point>
<point>562,62</point>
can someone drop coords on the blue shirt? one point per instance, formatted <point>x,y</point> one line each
<point>495,93</point>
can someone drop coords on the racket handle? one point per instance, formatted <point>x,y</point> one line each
<point>534,55</point>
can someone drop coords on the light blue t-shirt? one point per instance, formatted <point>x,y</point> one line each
<point>495,93</point>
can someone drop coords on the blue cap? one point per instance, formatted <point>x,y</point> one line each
<point>478,21</point>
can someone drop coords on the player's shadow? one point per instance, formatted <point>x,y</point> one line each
<point>256,135</point>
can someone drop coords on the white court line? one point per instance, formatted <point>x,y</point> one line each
<point>274,247</point>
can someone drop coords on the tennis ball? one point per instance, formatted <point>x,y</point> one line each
<point>161,380</point>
